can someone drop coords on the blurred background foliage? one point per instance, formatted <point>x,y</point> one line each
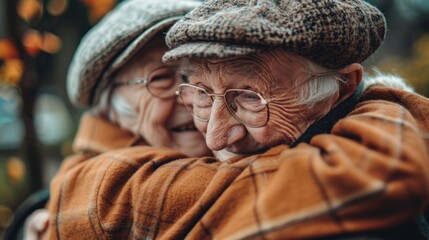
<point>37,41</point>
<point>37,123</point>
<point>406,49</point>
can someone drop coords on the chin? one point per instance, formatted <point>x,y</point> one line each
<point>203,152</point>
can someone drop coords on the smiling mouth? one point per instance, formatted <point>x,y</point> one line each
<point>184,128</point>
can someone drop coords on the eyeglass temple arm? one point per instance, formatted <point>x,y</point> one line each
<point>131,82</point>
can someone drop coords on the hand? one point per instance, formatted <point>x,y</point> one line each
<point>36,224</point>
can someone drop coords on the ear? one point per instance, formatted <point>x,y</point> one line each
<point>352,76</point>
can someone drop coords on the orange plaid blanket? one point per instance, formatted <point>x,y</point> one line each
<point>370,172</point>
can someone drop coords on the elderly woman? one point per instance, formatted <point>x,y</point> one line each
<point>117,71</point>
<point>312,150</point>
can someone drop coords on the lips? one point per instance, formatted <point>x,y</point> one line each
<point>239,149</point>
<point>184,127</point>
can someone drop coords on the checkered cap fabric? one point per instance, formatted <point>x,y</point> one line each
<point>114,40</point>
<point>334,33</point>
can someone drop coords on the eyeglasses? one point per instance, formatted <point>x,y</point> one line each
<point>162,82</point>
<point>247,106</point>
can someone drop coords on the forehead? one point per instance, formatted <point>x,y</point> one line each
<point>267,70</point>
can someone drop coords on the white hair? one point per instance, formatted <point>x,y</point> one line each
<point>112,105</point>
<point>320,83</point>
<point>120,106</point>
<point>102,107</point>
<point>388,80</point>
<point>324,82</point>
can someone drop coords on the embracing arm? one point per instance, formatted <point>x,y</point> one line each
<point>371,172</point>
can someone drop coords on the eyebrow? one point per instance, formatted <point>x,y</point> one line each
<point>187,69</point>
<point>190,70</point>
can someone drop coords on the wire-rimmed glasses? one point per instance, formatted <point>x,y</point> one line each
<point>162,82</point>
<point>247,106</point>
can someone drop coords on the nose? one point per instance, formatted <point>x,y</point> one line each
<point>223,129</point>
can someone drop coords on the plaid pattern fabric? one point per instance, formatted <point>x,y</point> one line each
<point>96,135</point>
<point>371,172</point>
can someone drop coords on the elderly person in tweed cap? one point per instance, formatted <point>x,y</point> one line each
<point>308,147</point>
<point>117,71</point>
<point>264,73</point>
<point>296,60</point>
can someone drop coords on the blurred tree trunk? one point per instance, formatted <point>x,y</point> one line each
<point>29,87</point>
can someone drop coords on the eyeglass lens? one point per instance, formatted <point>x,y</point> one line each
<point>163,82</point>
<point>245,105</point>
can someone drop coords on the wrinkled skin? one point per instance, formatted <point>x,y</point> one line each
<point>156,120</point>
<point>272,75</point>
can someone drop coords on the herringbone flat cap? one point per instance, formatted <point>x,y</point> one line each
<point>333,33</point>
<point>114,40</point>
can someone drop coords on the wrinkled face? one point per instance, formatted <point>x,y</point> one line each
<point>274,77</point>
<point>161,122</point>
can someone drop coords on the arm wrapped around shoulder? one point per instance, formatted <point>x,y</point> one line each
<point>371,172</point>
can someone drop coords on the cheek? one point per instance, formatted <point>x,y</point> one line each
<point>152,121</point>
<point>285,125</point>
<point>201,126</point>
<point>124,109</point>
<point>268,136</point>
<point>154,111</point>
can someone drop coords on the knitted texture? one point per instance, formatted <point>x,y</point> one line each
<point>114,40</point>
<point>370,172</point>
<point>333,33</point>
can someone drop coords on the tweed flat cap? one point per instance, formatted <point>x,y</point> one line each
<point>114,40</point>
<point>333,33</point>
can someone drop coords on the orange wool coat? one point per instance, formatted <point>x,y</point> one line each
<point>370,172</point>
<point>96,135</point>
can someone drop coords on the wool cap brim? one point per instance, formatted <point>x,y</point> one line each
<point>114,40</point>
<point>333,33</point>
<point>209,50</point>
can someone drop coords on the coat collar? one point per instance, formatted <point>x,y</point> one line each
<point>98,135</point>
<point>325,124</point>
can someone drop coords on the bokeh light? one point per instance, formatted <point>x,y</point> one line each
<point>35,42</point>
<point>7,49</point>
<point>52,119</point>
<point>30,9</point>
<point>98,8</point>
<point>57,7</point>
<point>32,41</point>
<point>15,169</point>
<point>6,216</point>
<point>11,71</point>
<point>51,43</point>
